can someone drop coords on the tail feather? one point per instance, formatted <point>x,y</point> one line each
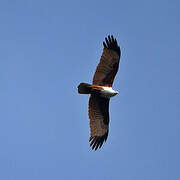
<point>84,88</point>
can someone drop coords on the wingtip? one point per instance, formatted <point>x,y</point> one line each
<point>111,43</point>
<point>97,141</point>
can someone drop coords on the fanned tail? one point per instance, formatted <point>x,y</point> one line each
<point>84,88</point>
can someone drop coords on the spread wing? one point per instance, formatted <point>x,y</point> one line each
<point>109,63</point>
<point>99,120</point>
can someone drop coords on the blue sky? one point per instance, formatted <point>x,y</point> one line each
<point>48,48</point>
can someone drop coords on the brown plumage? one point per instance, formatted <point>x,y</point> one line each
<point>101,91</point>
<point>99,120</point>
<point>109,63</point>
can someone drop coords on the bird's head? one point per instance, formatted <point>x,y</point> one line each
<point>115,93</point>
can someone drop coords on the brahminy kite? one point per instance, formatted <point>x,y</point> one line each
<point>101,91</point>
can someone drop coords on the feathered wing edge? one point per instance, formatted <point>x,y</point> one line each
<point>111,43</point>
<point>99,120</point>
<point>97,141</point>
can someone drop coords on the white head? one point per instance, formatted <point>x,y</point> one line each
<point>115,93</point>
<point>108,92</point>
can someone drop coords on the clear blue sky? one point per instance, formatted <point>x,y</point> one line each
<point>47,48</point>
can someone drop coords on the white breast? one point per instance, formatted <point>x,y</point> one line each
<point>108,92</point>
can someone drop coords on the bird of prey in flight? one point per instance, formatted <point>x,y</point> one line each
<point>101,91</point>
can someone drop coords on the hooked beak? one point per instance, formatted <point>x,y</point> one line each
<point>117,92</point>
